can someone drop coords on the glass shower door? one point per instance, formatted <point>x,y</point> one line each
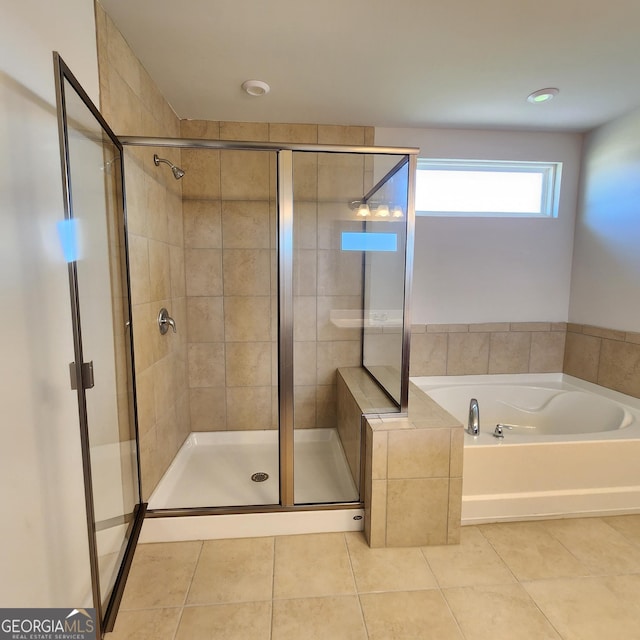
<point>384,353</point>
<point>349,272</point>
<point>327,312</point>
<point>93,240</point>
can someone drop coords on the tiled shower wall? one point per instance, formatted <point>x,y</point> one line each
<point>231,280</point>
<point>231,274</point>
<point>132,105</point>
<point>220,370</point>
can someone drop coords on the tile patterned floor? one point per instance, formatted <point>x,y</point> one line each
<point>546,580</point>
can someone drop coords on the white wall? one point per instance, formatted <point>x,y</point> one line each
<point>43,550</point>
<point>605,287</point>
<point>493,269</point>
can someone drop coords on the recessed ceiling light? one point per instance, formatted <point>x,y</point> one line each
<point>256,87</point>
<point>542,95</point>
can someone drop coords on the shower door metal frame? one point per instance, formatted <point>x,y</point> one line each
<point>284,153</point>
<point>105,615</point>
<point>285,327</point>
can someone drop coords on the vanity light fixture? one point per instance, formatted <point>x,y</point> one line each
<point>363,211</point>
<point>376,209</point>
<point>256,88</point>
<point>543,95</point>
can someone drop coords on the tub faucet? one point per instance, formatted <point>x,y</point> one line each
<point>474,418</point>
<point>499,430</point>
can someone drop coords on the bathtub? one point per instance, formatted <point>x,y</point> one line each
<point>573,449</point>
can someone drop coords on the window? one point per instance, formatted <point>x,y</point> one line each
<point>487,188</point>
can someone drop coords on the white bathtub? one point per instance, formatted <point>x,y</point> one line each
<point>574,448</point>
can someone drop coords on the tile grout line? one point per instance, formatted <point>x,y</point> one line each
<point>517,582</point>
<point>186,594</point>
<point>273,585</point>
<point>592,573</point>
<point>355,585</point>
<point>506,564</point>
<point>520,584</point>
<point>386,481</point>
<point>178,623</point>
<point>453,615</point>
<point>573,555</point>
<point>433,573</point>
<point>537,606</point>
<point>195,568</point>
<point>631,541</point>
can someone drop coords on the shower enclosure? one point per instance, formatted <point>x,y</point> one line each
<point>287,279</point>
<point>275,265</point>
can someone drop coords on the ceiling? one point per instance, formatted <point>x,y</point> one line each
<point>393,63</point>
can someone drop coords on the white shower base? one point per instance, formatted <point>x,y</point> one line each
<point>214,469</point>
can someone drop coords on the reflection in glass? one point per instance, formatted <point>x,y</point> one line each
<point>327,321</point>
<point>348,305</point>
<point>384,280</point>
<point>94,239</point>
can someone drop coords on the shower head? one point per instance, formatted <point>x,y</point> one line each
<point>177,171</point>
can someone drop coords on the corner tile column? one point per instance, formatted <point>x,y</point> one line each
<point>413,465</point>
<point>413,492</point>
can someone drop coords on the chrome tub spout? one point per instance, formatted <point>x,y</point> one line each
<point>473,426</point>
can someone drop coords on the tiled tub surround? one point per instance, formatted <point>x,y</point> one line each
<point>581,460</point>
<point>495,347</point>
<point>413,468</point>
<point>605,357</point>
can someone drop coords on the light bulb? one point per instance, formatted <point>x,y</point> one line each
<point>396,212</point>
<point>543,95</point>
<point>363,210</point>
<point>382,211</point>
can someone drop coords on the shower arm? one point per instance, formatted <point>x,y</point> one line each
<point>177,171</point>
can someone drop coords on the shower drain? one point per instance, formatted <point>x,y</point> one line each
<point>260,476</point>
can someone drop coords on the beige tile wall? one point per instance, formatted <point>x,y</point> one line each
<point>132,105</point>
<point>349,424</point>
<point>204,247</point>
<point>412,465</point>
<point>231,280</point>
<point>499,347</point>
<point>606,357</point>
<point>231,274</point>
<point>413,476</point>
<point>325,278</point>
<point>603,356</point>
